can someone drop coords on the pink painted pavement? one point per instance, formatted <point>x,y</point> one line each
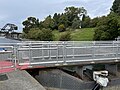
<point>5,66</point>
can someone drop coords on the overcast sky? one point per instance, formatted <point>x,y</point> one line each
<point>16,11</point>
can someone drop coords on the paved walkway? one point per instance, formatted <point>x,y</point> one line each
<point>20,80</point>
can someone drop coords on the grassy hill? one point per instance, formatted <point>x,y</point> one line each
<point>84,34</point>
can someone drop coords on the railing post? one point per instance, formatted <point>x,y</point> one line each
<point>14,57</point>
<point>30,56</point>
<point>63,50</point>
<point>64,57</point>
<point>17,53</point>
<point>65,43</point>
<point>73,49</point>
<point>57,55</point>
<point>117,51</point>
<point>114,53</point>
<point>50,51</point>
<point>42,52</point>
<point>93,53</point>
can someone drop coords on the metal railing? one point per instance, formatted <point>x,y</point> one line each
<point>49,53</point>
<point>7,56</point>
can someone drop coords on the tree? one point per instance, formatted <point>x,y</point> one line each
<point>56,18</point>
<point>35,34</point>
<point>116,7</point>
<point>48,22</point>
<point>105,36</point>
<point>73,12</point>
<point>98,33</point>
<point>47,35</point>
<point>61,28</point>
<point>102,21</point>
<point>41,35</point>
<point>64,20</point>
<point>31,22</point>
<point>107,29</point>
<point>85,22</point>
<point>94,21</point>
<point>75,23</point>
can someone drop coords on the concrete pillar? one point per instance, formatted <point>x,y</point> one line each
<point>79,71</point>
<point>112,68</point>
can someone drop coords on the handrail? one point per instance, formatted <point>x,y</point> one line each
<point>62,52</point>
<point>22,49</point>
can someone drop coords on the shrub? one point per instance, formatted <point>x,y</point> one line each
<point>41,35</point>
<point>66,36</point>
<point>33,33</point>
<point>47,35</point>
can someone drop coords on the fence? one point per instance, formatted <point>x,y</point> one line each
<point>49,53</point>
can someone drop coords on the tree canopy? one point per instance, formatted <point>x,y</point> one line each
<point>42,30</point>
<point>116,7</point>
<point>70,19</point>
<point>108,28</point>
<point>31,22</point>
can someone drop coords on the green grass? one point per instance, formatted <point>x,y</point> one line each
<point>84,34</point>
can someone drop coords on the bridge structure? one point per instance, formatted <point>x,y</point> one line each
<point>43,54</point>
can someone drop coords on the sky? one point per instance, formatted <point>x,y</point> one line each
<point>16,11</point>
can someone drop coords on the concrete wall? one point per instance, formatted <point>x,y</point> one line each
<point>59,79</point>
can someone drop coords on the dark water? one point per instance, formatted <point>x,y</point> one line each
<point>6,40</point>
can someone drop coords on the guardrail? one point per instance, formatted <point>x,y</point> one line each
<point>42,53</point>
<point>49,53</point>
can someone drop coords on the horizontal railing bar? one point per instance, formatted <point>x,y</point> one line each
<point>6,46</point>
<point>62,56</point>
<point>81,55</point>
<point>67,61</point>
<point>11,44</point>
<point>101,59</point>
<point>41,46</point>
<point>43,43</point>
<point>36,63</point>
<point>25,49</point>
<point>5,67</point>
<point>4,52</point>
<point>91,47</point>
